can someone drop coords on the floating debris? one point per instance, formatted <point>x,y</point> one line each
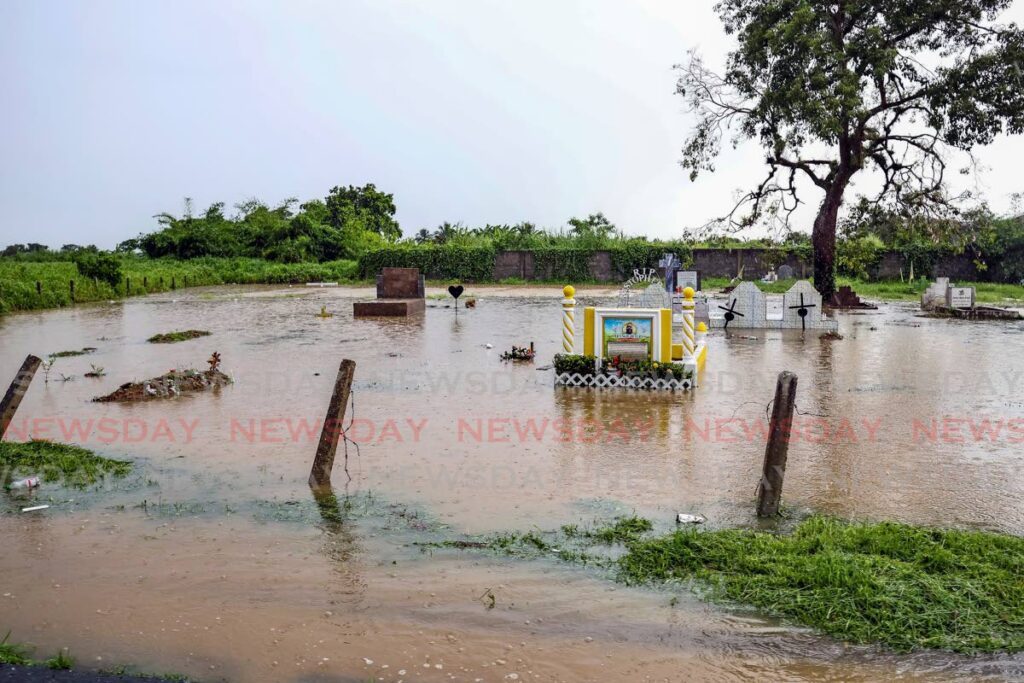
<point>683,518</point>
<point>34,508</point>
<point>172,384</point>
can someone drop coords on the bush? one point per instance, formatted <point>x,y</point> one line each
<point>99,265</point>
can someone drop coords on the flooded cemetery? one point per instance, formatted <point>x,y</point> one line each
<point>462,537</point>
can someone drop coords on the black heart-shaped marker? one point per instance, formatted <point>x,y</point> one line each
<point>455,290</point>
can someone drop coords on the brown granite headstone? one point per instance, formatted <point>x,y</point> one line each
<point>400,292</point>
<point>400,283</point>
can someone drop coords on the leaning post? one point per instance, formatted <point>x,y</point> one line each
<point>320,475</point>
<point>12,399</point>
<point>568,318</point>
<point>769,492</point>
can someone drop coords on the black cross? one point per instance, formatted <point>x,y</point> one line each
<point>802,311</point>
<point>730,314</point>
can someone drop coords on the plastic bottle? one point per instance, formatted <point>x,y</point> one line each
<point>27,483</point>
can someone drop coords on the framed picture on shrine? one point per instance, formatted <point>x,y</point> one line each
<point>628,333</point>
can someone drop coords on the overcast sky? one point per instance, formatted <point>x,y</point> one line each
<point>480,111</point>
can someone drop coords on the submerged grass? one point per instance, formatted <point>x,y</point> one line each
<point>74,466</point>
<point>72,354</point>
<point>904,586</point>
<point>172,337</point>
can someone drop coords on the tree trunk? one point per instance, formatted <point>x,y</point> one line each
<point>823,239</point>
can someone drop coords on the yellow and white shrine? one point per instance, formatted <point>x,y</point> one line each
<point>623,333</point>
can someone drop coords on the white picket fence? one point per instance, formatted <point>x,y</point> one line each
<point>573,379</point>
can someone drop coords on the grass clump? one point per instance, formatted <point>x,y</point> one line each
<point>75,466</point>
<point>173,337</point>
<point>904,586</point>
<point>12,653</point>
<point>72,354</point>
<point>61,662</point>
<point>622,530</point>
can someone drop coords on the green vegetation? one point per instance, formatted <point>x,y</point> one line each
<point>74,466</point>
<point>347,222</point>
<point>829,91</point>
<point>585,365</point>
<point>61,662</point>
<point>18,278</point>
<point>12,653</point>
<point>173,337</point>
<point>624,530</point>
<point>905,586</point>
<point>19,655</point>
<point>987,292</point>
<point>72,354</point>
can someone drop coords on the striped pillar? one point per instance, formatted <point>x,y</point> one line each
<point>568,318</point>
<point>688,330</point>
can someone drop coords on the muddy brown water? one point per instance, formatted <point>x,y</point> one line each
<point>212,559</point>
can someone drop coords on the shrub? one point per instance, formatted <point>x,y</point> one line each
<point>99,265</point>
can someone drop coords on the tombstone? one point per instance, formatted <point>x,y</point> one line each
<point>400,283</point>
<point>801,307</point>
<point>400,292</point>
<point>935,295</point>
<point>745,306</point>
<point>669,264</point>
<point>960,297</point>
<point>702,311</point>
<point>654,296</point>
<point>688,278</point>
<point>785,272</point>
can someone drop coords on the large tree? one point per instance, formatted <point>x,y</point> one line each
<point>896,88</point>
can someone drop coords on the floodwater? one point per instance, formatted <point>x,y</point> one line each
<point>214,560</point>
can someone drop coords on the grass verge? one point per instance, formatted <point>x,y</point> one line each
<point>72,465</point>
<point>18,279</point>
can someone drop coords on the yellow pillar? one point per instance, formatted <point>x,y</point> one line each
<point>688,330</point>
<point>568,318</point>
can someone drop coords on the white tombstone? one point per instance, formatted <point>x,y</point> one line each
<point>801,297</point>
<point>936,294</point>
<point>960,297</point>
<point>747,304</point>
<point>654,296</point>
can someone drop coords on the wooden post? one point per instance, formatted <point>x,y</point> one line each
<point>12,399</point>
<point>72,286</point>
<point>39,288</point>
<point>128,286</point>
<point>769,492</point>
<point>172,283</point>
<point>145,282</point>
<point>320,475</point>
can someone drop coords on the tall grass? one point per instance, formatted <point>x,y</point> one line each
<point>905,586</point>
<point>18,278</point>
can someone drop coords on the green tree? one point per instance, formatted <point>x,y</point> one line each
<point>375,208</point>
<point>829,89</point>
